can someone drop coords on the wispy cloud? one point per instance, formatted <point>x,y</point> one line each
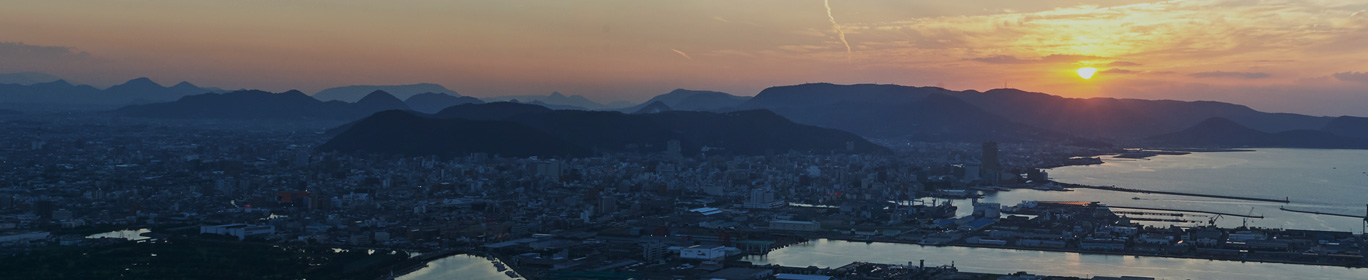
<point>1351,77</point>
<point>1119,71</point>
<point>13,52</point>
<point>1236,75</point>
<point>836,26</point>
<point>681,53</point>
<point>1053,58</point>
<point>1119,63</point>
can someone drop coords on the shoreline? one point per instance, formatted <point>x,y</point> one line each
<point>1079,251</point>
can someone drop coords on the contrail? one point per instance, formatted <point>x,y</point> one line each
<point>682,53</point>
<point>836,26</point>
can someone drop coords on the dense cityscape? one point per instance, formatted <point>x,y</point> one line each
<point>682,140</point>
<point>628,215</point>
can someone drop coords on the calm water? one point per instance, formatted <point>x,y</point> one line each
<point>835,253</point>
<point>129,234</point>
<point>457,267</point>
<point>1321,180</point>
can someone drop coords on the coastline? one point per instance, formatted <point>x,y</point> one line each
<point>1079,251</point>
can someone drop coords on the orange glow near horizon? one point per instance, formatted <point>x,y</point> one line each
<point>622,50</point>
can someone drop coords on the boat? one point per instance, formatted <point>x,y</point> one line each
<point>511,274</point>
<point>1135,198</point>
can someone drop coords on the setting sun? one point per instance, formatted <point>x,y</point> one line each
<point>1086,72</point>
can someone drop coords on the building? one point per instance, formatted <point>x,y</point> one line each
<point>795,225</point>
<point>550,169</point>
<point>701,252</point>
<point>654,251</point>
<point>761,198</point>
<point>992,169</point>
<point>241,231</point>
<point>988,210</point>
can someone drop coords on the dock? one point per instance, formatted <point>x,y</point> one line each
<point>1188,211</point>
<point>1067,185</point>
<point>1321,213</point>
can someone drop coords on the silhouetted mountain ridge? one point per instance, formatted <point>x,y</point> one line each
<point>60,92</point>
<point>433,102</point>
<point>1221,132</point>
<point>356,92</point>
<point>256,104</point>
<point>744,132</point>
<point>692,100</point>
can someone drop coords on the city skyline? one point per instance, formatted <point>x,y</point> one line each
<point>1292,56</point>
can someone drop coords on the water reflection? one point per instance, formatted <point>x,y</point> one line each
<point>130,234</point>
<point>458,267</point>
<point>835,253</point>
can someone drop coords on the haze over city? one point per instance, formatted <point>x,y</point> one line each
<point>737,140</point>
<point>1278,56</point>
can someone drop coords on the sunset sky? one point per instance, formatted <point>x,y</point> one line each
<point>1282,56</point>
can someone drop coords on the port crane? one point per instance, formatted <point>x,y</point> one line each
<point>1212,222</point>
<point>1245,222</point>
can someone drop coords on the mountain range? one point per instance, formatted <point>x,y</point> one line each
<point>432,102</point>
<point>574,133</point>
<point>932,113</point>
<point>869,110</point>
<point>691,100</point>
<point>27,78</point>
<point>60,92</point>
<point>356,92</point>
<point>555,100</point>
<point>255,104</point>
<point>1227,133</point>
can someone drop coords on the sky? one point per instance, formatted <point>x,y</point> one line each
<point>1307,57</point>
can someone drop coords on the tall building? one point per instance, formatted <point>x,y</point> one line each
<point>990,155</point>
<point>992,169</point>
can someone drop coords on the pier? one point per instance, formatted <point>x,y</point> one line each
<point>1189,211</point>
<point>1067,185</point>
<point>1322,213</point>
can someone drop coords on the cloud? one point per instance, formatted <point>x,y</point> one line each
<point>1053,58</point>
<point>1351,77</point>
<point>682,53</point>
<point>1236,75</point>
<point>1119,71</point>
<point>836,26</point>
<point>18,52</point>
<point>1119,63</point>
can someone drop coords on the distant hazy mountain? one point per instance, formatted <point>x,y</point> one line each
<point>432,102</point>
<point>136,91</point>
<point>1125,118</point>
<point>380,100</point>
<point>1347,126</point>
<point>654,107</point>
<point>692,100</point>
<point>555,100</point>
<point>931,113</point>
<point>921,113</point>
<point>355,93</point>
<point>1221,132</point>
<point>255,104</point>
<point>27,78</point>
<point>744,132</point>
